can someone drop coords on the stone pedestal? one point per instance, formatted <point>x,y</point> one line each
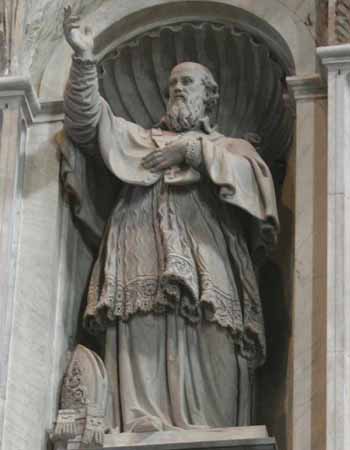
<point>239,438</point>
<point>242,444</point>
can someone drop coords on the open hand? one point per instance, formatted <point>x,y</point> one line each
<point>81,43</point>
<point>162,159</point>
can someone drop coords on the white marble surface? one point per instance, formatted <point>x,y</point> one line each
<point>307,400</point>
<point>30,366</point>
<point>337,61</point>
<point>39,310</point>
<point>10,183</point>
<point>44,315</point>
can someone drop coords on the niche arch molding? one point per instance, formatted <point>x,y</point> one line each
<point>115,21</point>
<point>127,32</point>
<point>170,14</point>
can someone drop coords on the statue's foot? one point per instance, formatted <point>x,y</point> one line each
<point>145,424</point>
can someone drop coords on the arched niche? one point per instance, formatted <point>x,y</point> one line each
<point>135,55</point>
<point>194,11</point>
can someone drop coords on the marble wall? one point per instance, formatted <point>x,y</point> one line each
<point>33,327</point>
<point>9,154</point>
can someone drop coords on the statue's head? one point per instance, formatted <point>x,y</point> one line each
<point>193,94</point>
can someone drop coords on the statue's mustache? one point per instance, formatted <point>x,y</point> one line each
<point>181,96</point>
<point>178,99</point>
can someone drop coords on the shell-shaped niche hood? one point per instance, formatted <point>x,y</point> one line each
<point>250,63</point>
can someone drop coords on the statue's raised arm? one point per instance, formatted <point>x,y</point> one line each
<point>81,43</point>
<point>82,102</point>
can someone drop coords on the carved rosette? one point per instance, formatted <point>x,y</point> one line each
<point>74,393</point>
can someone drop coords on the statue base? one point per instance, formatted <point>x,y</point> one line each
<point>237,438</point>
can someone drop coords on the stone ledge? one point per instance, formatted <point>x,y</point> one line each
<point>241,444</point>
<point>238,438</point>
<point>20,87</point>
<point>307,87</point>
<point>337,56</point>
<point>20,90</point>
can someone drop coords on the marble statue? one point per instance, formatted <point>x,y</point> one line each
<point>173,285</point>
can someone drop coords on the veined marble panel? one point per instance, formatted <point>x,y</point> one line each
<point>41,290</point>
<point>309,341</point>
<point>32,331</point>
<point>337,61</point>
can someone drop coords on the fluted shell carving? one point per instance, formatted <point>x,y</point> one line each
<point>253,92</point>
<point>342,21</point>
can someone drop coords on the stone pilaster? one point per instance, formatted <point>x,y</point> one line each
<point>17,106</point>
<point>337,61</point>
<point>307,376</point>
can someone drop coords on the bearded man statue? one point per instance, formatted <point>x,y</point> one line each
<point>173,284</point>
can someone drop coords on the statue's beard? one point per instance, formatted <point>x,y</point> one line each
<point>184,114</point>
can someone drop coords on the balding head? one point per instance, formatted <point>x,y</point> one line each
<point>192,67</point>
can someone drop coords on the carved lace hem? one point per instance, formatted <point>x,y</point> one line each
<point>145,296</point>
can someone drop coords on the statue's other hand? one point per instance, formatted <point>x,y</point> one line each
<point>171,155</point>
<point>81,43</point>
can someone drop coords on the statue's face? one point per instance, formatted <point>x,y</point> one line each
<point>187,94</point>
<point>186,85</point>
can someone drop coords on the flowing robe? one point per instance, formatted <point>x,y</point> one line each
<point>173,283</point>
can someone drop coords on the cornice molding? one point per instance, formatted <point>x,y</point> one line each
<point>307,87</point>
<point>35,111</point>
<point>51,111</point>
<point>20,88</point>
<point>335,56</point>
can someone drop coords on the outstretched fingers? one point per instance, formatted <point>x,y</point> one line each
<point>67,11</point>
<point>70,21</point>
